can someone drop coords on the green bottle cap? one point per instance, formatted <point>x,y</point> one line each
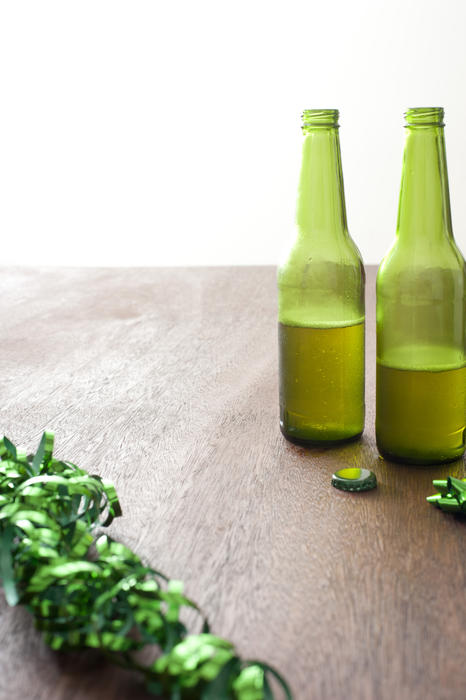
<point>354,479</point>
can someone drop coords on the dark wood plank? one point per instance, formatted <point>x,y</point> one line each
<point>165,380</point>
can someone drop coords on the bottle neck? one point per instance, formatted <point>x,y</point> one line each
<point>424,209</point>
<point>321,201</point>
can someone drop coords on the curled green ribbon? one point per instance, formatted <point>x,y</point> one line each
<point>88,591</point>
<point>451,496</point>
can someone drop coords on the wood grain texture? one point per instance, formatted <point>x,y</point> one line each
<point>165,381</point>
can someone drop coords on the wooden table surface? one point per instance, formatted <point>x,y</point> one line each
<point>165,381</point>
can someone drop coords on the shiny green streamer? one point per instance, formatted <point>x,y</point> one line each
<point>88,591</point>
<point>451,496</point>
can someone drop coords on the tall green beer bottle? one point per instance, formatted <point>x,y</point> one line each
<point>420,414</point>
<point>321,301</point>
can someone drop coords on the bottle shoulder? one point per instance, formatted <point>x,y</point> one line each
<point>308,253</point>
<point>403,261</point>
<point>421,275</point>
<point>321,286</point>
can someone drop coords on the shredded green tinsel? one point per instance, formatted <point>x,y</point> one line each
<point>87,591</point>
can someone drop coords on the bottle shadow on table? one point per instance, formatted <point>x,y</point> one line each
<point>391,476</point>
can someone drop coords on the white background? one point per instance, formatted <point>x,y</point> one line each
<point>168,133</point>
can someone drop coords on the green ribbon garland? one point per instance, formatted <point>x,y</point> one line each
<point>92,592</point>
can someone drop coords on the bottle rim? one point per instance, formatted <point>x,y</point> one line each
<point>424,116</point>
<point>313,118</point>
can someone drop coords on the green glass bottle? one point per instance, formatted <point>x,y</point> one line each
<point>420,413</point>
<point>321,301</point>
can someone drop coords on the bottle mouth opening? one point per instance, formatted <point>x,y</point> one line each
<point>315,118</point>
<point>424,116</point>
